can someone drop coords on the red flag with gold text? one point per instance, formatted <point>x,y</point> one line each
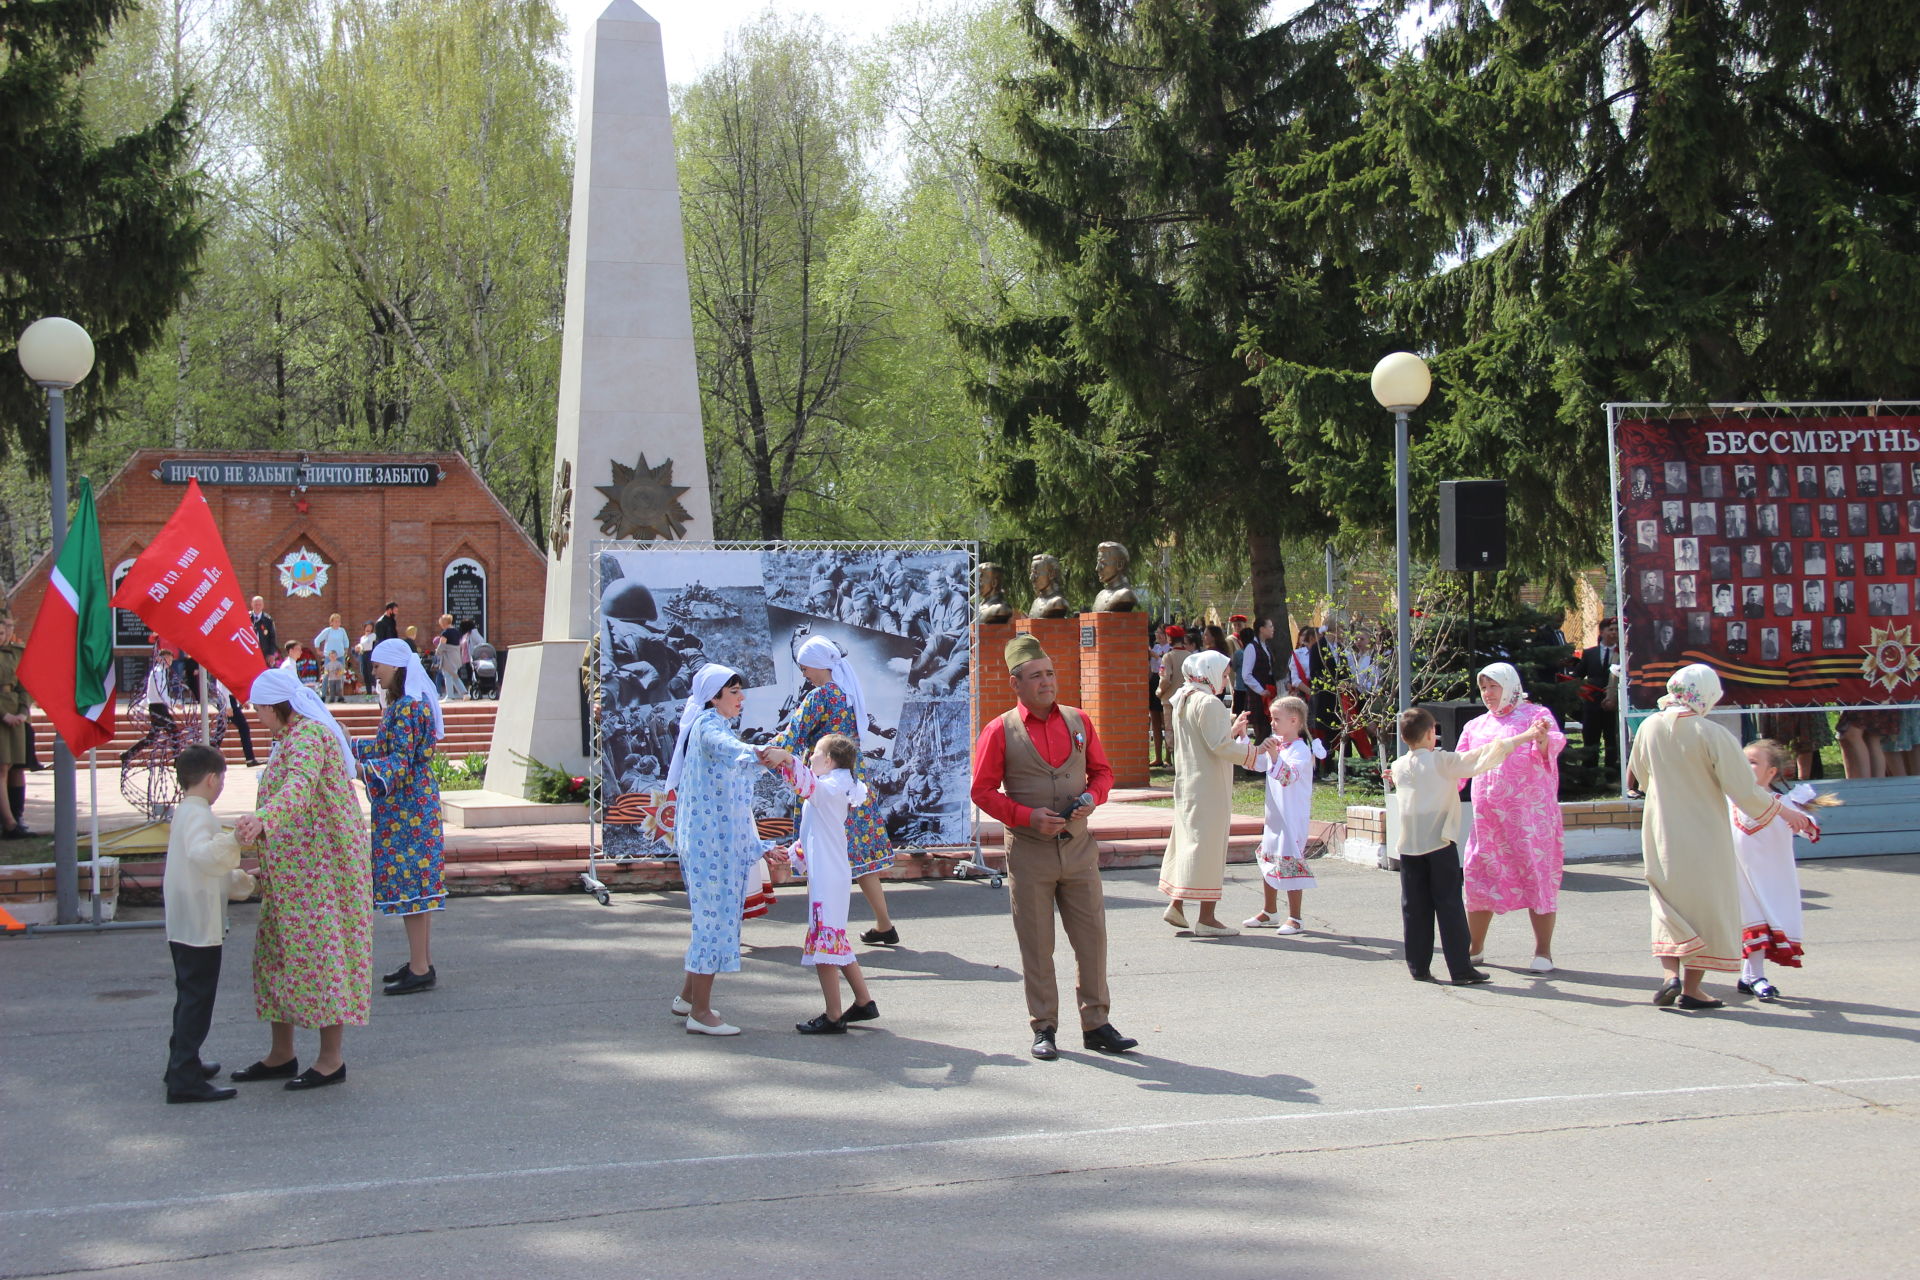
<point>183,587</point>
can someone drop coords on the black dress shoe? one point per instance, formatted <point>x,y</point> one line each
<point>1043,1046</point>
<point>201,1091</point>
<point>1669,992</point>
<point>209,1069</point>
<point>15,833</point>
<point>1688,1002</point>
<point>881,937</point>
<point>1107,1040</point>
<point>261,1071</point>
<point>862,1012</point>
<point>410,982</point>
<point>821,1025</point>
<point>1425,977</point>
<point>406,967</point>
<point>1473,979</point>
<point>312,1079</point>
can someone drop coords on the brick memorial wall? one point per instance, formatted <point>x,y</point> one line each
<point>388,527</point>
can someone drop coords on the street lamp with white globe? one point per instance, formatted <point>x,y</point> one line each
<point>57,354</point>
<point>1401,383</point>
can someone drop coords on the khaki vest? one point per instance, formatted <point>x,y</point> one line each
<point>1031,781</point>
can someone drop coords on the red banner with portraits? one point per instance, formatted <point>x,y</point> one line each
<point>1779,551</point>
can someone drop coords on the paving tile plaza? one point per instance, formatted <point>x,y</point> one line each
<point>1297,1107</point>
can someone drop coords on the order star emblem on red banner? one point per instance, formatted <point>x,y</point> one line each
<point>1892,657</point>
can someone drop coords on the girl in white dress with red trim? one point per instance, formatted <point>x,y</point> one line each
<point>1769,881</point>
<point>829,789</point>
<point>1288,758</point>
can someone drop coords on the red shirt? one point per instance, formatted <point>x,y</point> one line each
<point>1054,743</point>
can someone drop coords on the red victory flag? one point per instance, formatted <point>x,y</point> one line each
<point>183,587</point>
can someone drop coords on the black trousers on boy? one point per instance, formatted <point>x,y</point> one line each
<point>196,976</point>
<point>1430,887</point>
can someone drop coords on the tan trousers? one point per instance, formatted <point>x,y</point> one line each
<point>1048,874</point>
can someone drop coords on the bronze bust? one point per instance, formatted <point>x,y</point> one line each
<point>989,605</point>
<point>1116,592</point>
<point>1047,600</point>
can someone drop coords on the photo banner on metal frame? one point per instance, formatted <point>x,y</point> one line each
<point>1780,548</point>
<point>898,612</point>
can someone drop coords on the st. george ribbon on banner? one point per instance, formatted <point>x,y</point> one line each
<point>184,589</point>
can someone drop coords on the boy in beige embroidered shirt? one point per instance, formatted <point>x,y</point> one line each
<point>1426,783</point>
<point>203,871</point>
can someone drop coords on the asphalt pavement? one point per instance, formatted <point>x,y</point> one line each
<point>1297,1106</point>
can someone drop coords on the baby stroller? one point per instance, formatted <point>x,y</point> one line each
<point>486,671</point>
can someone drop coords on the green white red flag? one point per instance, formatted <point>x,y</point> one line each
<point>68,663</point>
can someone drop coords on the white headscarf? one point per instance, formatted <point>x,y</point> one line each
<point>1208,667</point>
<point>706,682</point>
<point>818,651</point>
<point>1512,692</point>
<point>1695,688</point>
<point>398,653</point>
<point>279,684</point>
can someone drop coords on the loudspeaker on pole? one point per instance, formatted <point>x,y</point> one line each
<point>1473,525</point>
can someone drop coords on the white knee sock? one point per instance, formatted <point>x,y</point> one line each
<point>1755,967</point>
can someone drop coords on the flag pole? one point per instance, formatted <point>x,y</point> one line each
<point>93,789</point>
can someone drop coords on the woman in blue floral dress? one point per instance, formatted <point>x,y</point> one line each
<point>835,705</point>
<point>408,848</point>
<point>714,836</point>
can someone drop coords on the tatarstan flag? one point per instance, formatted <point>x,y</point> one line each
<point>68,664</point>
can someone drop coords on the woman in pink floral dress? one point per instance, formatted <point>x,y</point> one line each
<point>1516,850</point>
<point>313,949</point>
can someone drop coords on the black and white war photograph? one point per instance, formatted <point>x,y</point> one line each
<point>897,616</point>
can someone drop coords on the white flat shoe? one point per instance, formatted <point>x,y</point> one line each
<point>1540,964</point>
<point>680,1008</point>
<point>1204,930</point>
<point>698,1028</point>
<point>1291,926</point>
<point>1261,921</point>
<point>1175,916</point>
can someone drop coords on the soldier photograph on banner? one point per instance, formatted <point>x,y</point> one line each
<point>899,618</point>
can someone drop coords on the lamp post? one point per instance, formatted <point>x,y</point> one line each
<point>57,353</point>
<point>1401,383</point>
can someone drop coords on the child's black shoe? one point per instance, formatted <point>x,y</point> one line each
<point>862,1012</point>
<point>821,1025</point>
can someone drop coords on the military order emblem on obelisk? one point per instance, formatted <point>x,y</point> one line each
<point>629,422</point>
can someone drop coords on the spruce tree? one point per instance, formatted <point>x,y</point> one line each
<point>1687,200</point>
<point>101,230</point>
<point>1124,408</point>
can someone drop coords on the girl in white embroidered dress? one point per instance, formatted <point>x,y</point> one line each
<point>1769,881</point>
<point>829,789</point>
<point>1283,844</point>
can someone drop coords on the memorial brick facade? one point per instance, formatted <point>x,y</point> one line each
<point>418,529</point>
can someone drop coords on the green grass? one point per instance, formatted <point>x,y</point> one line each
<point>1250,796</point>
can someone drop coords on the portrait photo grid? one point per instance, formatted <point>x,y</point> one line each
<point>1786,571</point>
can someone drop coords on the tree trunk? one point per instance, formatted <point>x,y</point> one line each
<point>1269,583</point>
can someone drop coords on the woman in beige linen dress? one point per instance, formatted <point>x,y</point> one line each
<point>1690,767</point>
<point>1207,743</point>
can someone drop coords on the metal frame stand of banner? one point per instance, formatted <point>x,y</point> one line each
<point>970,861</point>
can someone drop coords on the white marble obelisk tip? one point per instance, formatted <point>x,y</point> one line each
<point>629,389</point>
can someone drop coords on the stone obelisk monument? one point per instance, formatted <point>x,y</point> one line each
<point>629,452</point>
